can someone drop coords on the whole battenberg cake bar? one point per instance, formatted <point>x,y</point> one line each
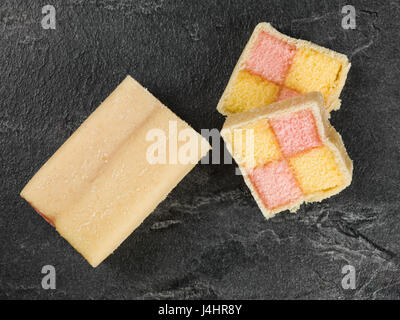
<point>288,153</point>
<point>107,177</point>
<point>275,67</point>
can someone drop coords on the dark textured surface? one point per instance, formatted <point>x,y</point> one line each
<point>208,239</point>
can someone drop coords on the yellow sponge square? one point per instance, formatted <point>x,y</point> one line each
<point>316,170</point>
<point>265,146</point>
<point>250,91</point>
<point>313,71</point>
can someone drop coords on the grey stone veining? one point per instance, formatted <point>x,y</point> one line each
<point>208,239</point>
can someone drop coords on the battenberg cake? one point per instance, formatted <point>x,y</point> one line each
<point>275,67</point>
<point>99,185</point>
<point>288,153</point>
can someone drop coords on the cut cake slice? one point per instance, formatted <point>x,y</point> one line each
<point>288,153</point>
<point>274,67</point>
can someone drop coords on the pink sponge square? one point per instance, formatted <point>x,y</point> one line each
<point>286,93</point>
<point>275,184</point>
<point>270,58</point>
<point>296,133</point>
